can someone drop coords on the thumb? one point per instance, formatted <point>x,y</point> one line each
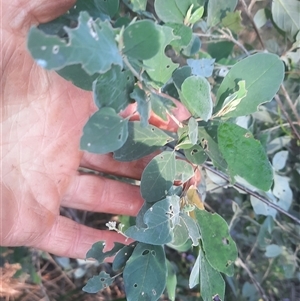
<point>21,14</point>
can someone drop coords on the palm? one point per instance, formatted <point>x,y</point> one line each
<point>42,120</point>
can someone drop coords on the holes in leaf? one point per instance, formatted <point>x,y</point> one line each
<point>194,151</point>
<point>55,49</point>
<point>216,298</point>
<point>168,66</point>
<point>225,241</point>
<point>102,279</point>
<point>145,252</point>
<point>229,262</point>
<point>154,292</point>
<point>135,285</point>
<point>152,129</point>
<point>120,137</point>
<point>153,253</point>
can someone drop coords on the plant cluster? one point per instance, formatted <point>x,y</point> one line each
<point>153,56</point>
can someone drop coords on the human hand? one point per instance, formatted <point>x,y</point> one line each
<point>42,120</point>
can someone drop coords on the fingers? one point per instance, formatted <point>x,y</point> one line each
<point>98,194</point>
<point>70,239</point>
<point>107,164</point>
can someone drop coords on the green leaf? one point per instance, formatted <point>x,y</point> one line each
<point>182,31</point>
<point>184,171</point>
<point>98,283</point>
<point>201,67</point>
<point>122,256</point>
<point>168,11</point>
<point>160,220</point>
<point>160,105</point>
<point>193,230</point>
<point>104,132</point>
<point>263,74</point>
<point>193,47</point>
<point>196,155</point>
<point>141,142</point>
<point>180,236</point>
<point>193,130</point>
<point>136,5</point>
<point>216,10</point>
<point>98,38</point>
<point>245,156</point>
<point>209,142</point>
<point>141,40</point>
<point>112,88</point>
<point>286,16</point>
<point>273,251</point>
<point>220,249</point>
<point>233,100</point>
<point>160,67</point>
<point>78,76</point>
<point>145,273</point>
<point>211,281</point>
<point>97,251</point>
<point>260,18</point>
<point>180,75</point>
<point>195,273</point>
<point>143,105</point>
<point>171,281</point>
<point>196,97</point>
<point>233,21</point>
<point>196,15</point>
<point>158,177</point>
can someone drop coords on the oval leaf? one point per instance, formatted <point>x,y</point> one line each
<point>145,273</point>
<point>104,132</point>
<point>141,40</point>
<point>263,76</point>
<point>285,14</point>
<point>141,141</point>
<point>160,220</point>
<point>220,249</point>
<point>245,156</point>
<point>111,89</point>
<point>196,97</point>
<point>212,283</point>
<point>158,177</point>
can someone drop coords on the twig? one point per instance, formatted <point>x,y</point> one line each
<point>253,193</point>
<point>255,282</point>
<point>228,35</point>
<point>280,104</point>
<point>289,101</point>
<point>248,13</point>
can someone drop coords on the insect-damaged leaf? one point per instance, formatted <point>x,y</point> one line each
<point>160,67</point>
<point>160,220</point>
<point>112,88</point>
<point>158,177</point>
<point>145,273</point>
<point>98,283</point>
<point>141,141</point>
<point>220,249</point>
<point>263,73</point>
<point>211,281</point>
<point>104,132</point>
<point>97,251</point>
<point>245,156</point>
<point>97,37</point>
